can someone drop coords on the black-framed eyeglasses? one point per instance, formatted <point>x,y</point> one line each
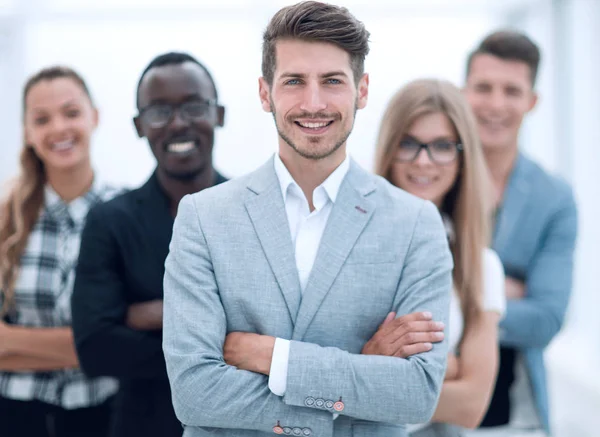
<point>440,152</point>
<point>161,114</point>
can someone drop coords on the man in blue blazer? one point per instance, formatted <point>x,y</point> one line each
<point>535,230</point>
<point>276,281</point>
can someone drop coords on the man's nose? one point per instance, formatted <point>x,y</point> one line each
<point>177,121</point>
<point>497,99</point>
<point>313,99</point>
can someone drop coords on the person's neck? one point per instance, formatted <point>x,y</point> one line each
<point>500,163</point>
<point>71,184</point>
<point>310,173</point>
<point>176,188</point>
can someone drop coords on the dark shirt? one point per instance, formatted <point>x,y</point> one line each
<point>121,261</point>
<point>499,409</point>
<point>498,412</point>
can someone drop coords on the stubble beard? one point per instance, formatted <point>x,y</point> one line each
<point>316,154</point>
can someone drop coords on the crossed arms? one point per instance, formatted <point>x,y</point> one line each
<point>208,392</point>
<point>535,314</point>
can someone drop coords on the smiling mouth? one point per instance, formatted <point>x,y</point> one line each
<point>62,146</point>
<point>422,180</point>
<point>315,127</point>
<point>182,148</point>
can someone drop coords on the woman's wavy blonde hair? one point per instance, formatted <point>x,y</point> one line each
<point>21,207</point>
<point>467,202</point>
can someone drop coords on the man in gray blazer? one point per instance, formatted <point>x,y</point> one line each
<point>276,281</point>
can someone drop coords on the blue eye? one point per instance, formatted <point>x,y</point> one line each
<point>334,81</point>
<point>293,82</point>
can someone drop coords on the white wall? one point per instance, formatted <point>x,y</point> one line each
<point>112,48</point>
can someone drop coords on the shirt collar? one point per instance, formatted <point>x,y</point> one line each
<point>77,209</point>
<point>331,185</point>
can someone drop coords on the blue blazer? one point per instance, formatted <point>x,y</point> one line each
<point>535,237</point>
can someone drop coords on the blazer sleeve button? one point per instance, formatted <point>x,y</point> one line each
<point>277,429</point>
<point>338,406</point>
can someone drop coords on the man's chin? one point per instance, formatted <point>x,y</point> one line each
<point>496,144</point>
<point>183,175</point>
<point>315,155</point>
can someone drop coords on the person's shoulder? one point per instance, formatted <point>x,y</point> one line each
<point>114,202</point>
<point>545,184</point>
<point>222,192</point>
<point>106,191</point>
<point>402,212</point>
<point>405,205</point>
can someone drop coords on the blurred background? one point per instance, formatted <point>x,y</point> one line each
<point>110,42</point>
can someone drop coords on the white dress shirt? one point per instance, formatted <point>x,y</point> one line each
<point>306,228</point>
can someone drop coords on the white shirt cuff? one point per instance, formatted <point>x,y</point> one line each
<point>279,367</point>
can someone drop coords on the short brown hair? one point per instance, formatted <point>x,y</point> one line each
<point>509,45</point>
<point>316,22</point>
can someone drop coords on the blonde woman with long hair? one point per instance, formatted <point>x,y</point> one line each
<point>42,391</point>
<point>428,146</point>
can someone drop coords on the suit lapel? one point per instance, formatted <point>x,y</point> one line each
<point>267,212</point>
<point>513,205</point>
<point>349,216</point>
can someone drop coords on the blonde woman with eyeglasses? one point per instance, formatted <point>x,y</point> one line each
<point>428,145</point>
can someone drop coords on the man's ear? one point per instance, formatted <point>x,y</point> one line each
<point>264,92</point>
<point>363,91</point>
<point>533,101</point>
<point>138,126</point>
<point>220,116</point>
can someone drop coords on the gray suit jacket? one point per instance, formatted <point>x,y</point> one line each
<point>231,268</point>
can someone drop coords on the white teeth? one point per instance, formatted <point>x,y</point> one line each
<point>181,147</point>
<point>421,180</point>
<point>63,145</point>
<point>313,125</point>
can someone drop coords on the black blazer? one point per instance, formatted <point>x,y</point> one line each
<point>123,249</point>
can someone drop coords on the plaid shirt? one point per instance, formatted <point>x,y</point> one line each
<point>42,297</point>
